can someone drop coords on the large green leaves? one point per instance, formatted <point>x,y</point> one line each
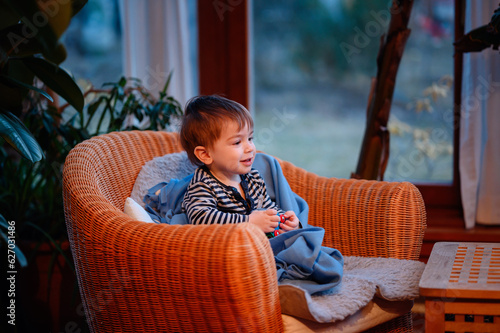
<point>30,28</point>
<point>10,81</point>
<point>19,137</point>
<point>56,79</point>
<point>43,21</point>
<point>8,16</point>
<point>11,128</point>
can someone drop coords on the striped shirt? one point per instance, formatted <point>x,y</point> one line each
<point>208,201</point>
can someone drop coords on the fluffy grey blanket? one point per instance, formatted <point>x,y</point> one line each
<point>364,278</point>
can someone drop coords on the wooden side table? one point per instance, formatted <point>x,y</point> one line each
<point>461,286</point>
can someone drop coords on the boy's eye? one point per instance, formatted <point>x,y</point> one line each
<point>237,142</point>
<point>250,138</point>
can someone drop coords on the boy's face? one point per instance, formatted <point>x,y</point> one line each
<point>232,154</point>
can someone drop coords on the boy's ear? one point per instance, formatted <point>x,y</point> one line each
<point>203,155</point>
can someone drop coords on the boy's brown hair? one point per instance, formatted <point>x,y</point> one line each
<point>204,118</point>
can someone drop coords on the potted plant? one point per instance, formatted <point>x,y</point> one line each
<point>32,192</point>
<point>30,52</point>
<point>38,133</point>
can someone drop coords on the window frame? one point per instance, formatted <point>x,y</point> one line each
<point>224,68</point>
<point>448,196</point>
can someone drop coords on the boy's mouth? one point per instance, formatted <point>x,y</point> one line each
<point>248,161</point>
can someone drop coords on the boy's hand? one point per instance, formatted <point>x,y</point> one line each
<point>266,220</point>
<point>291,223</point>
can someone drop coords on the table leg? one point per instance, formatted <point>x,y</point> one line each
<point>434,316</point>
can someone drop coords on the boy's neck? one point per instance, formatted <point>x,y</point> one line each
<point>233,181</point>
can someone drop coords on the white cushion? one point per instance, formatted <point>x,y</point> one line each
<point>135,211</point>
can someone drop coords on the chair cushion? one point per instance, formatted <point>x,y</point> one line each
<point>376,312</point>
<point>363,280</point>
<point>135,211</point>
<point>160,169</point>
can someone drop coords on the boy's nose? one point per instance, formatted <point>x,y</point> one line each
<point>249,147</point>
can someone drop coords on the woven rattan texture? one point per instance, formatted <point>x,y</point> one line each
<point>139,277</point>
<point>364,218</point>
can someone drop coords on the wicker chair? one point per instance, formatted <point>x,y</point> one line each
<point>144,277</point>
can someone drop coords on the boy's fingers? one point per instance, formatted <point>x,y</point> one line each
<point>271,211</point>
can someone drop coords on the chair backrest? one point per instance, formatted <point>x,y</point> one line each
<point>115,160</point>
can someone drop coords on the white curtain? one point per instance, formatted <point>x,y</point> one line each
<point>156,41</point>
<point>479,126</point>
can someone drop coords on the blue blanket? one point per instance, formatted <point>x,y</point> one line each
<point>302,261</point>
<point>300,258</point>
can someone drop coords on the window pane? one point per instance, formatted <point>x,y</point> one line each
<point>313,63</point>
<point>93,43</point>
<point>310,93</point>
<point>421,120</point>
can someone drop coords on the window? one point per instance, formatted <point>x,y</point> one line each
<point>221,39</point>
<point>93,43</point>
<point>422,115</point>
<point>313,64</point>
<point>314,88</point>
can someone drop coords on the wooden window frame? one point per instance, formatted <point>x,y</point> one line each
<point>224,68</point>
<point>443,202</point>
<point>224,57</point>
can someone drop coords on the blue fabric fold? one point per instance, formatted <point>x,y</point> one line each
<point>278,188</point>
<point>164,201</point>
<point>301,260</point>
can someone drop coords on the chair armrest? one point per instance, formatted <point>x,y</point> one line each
<point>363,217</point>
<point>159,278</point>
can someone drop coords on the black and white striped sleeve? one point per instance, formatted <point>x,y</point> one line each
<point>200,204</point>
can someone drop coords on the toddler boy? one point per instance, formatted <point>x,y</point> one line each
<point>217,134</point>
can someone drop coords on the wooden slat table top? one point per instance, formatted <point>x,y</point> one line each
<point>462,270</point>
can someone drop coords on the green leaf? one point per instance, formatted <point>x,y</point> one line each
<point>14,43</point>
<point>165,87</point>
<point>56,55</point>
<point>21,259</point>
<point>12,92</point>
<point>495,20</point>
<point>13,82</point>
<point>19,137</point>
<point>56,79</point>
